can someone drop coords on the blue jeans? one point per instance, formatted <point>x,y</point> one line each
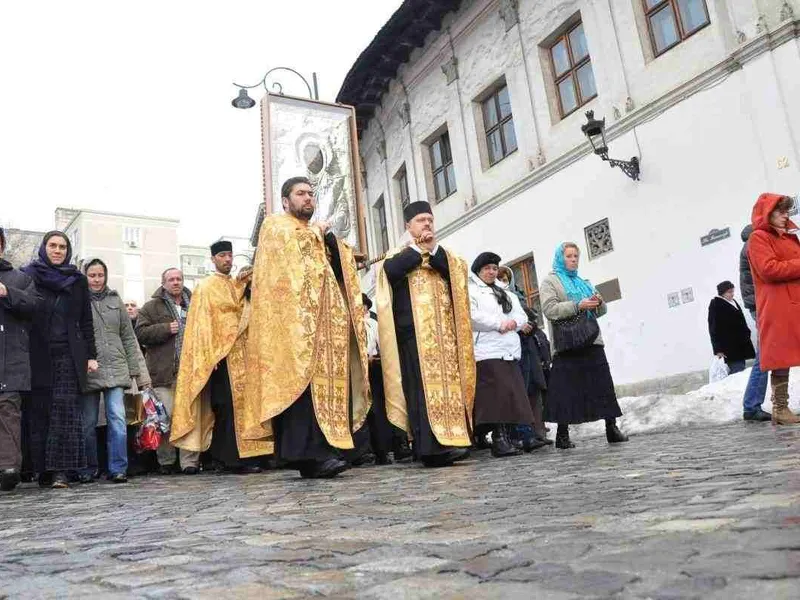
<point>757,384</point>
<point>117,436</point>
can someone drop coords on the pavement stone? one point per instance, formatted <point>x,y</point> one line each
<point>711,512</point>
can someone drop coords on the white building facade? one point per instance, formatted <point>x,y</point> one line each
<point>477,107</point>
<point>136,249</point>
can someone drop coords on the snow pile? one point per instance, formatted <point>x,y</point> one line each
<point>719,402</point>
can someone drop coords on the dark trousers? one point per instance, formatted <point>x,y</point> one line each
<point>10,431</point>
<point>380,429</point>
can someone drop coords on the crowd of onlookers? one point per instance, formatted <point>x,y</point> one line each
<point>769,281</point>
<point>74,357</point>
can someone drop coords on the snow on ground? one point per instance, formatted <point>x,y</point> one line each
<point>719,402</point>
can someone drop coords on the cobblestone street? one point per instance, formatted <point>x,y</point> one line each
<point>690,513</point>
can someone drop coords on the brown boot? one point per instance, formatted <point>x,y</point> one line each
<point>781,415</point>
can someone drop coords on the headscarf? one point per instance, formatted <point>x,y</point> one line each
<point>97,296</point>
<point>54,277</point>
<point>576,288</point>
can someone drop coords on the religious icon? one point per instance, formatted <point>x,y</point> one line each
<point>315,140</point>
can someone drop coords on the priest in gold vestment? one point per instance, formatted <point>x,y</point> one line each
<point>307,350</point>
<point>427,351</point>
<point>210,402</point>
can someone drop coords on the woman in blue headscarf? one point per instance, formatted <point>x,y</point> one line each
<point>580,389</point>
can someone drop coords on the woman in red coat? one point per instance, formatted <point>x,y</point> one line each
<point>774,252</point>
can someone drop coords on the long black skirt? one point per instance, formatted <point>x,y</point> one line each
<point>500,395</point>
<point>581,389</point>
<point>55,418</point>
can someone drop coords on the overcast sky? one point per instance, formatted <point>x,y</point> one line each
<point>125,106</point>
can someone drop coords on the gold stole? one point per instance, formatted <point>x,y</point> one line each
<point>300,332</point>
<point>444,343</point>
<point>216,329</point>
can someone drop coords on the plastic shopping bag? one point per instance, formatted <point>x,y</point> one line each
<point>155,424</point>
<point>718,370</point>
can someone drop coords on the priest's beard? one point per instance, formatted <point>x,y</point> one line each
<point>302,213</point>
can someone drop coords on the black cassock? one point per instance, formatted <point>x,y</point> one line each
<point>298,438</point>
<point>224,448</point>
<point>377,434</point>
<point>397,268</point>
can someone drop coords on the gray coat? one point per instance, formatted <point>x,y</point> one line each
<point>556,306</point>
<point>117,348</point>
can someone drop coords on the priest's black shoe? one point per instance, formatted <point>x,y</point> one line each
<point>9,479</point>
<point>401,451</point>
<point>460,454</point>
<point>368,458</point>
<point>563,442</point>
<point>614,435</point>
<point>324,469</point>
<point>757,415</point>
<point>501,445</point>
<point>191,471</point>
<point>382,458</point>
<point>247,469</point>
<point>445,459</point>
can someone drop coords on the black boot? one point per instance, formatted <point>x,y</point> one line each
<point>9,478</point>
<point>562,437</point>
<point>613,434</point>
<point>501,445</point>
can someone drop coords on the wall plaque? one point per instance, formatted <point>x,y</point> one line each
<point>673,299</point>
<point>715,235</point>
<point>610,290</point>
<point>687,295</point>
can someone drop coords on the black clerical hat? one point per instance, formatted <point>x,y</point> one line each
<point>416,208</point>
<point>221,246</point>
<point>483,259</point>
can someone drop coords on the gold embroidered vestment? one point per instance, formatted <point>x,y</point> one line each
<point>444,343</point>
<point>306,329</point>
<point>216,329</point>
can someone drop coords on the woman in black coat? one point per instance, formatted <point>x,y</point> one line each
<point>730,335</point>
<point>62,352</point>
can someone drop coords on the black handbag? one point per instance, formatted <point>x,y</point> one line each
<point>575,333</point>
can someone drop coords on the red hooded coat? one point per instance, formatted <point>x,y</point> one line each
<point>775,262</point>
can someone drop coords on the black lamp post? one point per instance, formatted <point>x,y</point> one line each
<point>596,132</point>
<point>245,101</point>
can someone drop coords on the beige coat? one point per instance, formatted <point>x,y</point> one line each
<point>556,306</point>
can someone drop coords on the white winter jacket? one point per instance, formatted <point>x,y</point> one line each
<point>487,315</point>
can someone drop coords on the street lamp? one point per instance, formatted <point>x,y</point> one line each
<point>596,132</point>
<point>245,101</point>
